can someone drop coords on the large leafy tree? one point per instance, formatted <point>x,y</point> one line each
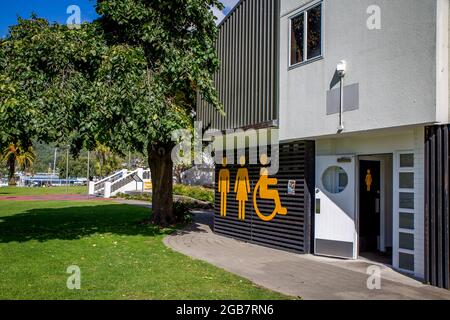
<point>127,80</point>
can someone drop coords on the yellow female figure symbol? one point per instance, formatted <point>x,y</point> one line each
<point>242,188</point>
<point>224,187</point>
<point>369,180</point>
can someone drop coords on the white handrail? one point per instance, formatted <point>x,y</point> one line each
<point>124,177</point>
<point>109,177</point>
<point>106,186</point>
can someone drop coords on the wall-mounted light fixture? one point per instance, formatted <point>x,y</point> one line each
<point>341,70</point>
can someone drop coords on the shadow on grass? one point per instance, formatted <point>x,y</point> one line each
<point>71,223</point>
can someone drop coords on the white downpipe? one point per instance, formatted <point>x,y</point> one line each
<point>341,106</point>
<point>341,70</point>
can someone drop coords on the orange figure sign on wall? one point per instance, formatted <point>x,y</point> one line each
<point>224,187</point>
<point>369,180</point>
<point>266,193</point>
<point>242,188</point>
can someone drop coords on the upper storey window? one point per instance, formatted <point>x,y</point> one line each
<point>306,35</point>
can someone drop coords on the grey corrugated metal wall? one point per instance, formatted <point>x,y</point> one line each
<point>291,232</point>
<point>437,206</point>
<point>246,82</point>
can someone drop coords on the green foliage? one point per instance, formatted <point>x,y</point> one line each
<point>77,167</point>
<point>44,157</point>
<point>127,81</point>
<point>182,212</point>
<point>195,192</point>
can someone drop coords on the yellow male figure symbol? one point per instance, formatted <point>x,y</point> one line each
<point>224,187</point>
<point>242,188</point>
<point>369,180</point>
<point>266,193</point>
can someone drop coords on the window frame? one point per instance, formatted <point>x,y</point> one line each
<point>397,209</point>
<point>304,12</point>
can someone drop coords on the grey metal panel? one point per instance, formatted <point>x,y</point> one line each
<point>291,232</point>
<point>247,47</point>
<point>351,99</point>
<point>333,248</point>
<point>437,210</point>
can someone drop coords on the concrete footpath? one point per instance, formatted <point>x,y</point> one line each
<point>305,276</point>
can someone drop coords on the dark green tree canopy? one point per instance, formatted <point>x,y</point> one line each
<point>127,80</point>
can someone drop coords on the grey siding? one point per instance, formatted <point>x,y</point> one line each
<point>247,79</point>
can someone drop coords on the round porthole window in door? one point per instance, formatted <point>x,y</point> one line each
<point>335,179</point>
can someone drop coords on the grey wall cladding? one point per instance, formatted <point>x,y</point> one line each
<point>246,82</point>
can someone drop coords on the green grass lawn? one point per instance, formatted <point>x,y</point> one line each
<point>118,257</point>
<point>26,191</point>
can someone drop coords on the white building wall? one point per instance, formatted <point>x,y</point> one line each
<point>395,67</point>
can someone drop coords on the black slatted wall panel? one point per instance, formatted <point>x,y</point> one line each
<point>437,179</point>
<point>291,232</point>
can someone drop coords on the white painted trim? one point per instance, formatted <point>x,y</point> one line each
<point>396,209</point>
<point>442,61</point>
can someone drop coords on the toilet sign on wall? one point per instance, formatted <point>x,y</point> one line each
<point>263,190</point>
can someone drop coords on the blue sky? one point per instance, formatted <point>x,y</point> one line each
<point>55,10</point>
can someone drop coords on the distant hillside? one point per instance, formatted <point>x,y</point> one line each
<point>44,159</point>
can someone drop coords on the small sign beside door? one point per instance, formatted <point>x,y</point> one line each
<point>291,187</point>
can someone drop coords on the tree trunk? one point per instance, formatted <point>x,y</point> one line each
<point>12,171</point>
<point>161,167</point>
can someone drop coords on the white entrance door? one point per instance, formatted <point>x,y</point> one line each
<point>335,223</point>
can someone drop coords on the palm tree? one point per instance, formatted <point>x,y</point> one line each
<point>14,154</point>
<point>106,161</point>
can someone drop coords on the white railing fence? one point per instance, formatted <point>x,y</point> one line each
<point>119,182</point>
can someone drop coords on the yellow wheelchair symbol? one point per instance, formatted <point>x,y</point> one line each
<point>265,193</point>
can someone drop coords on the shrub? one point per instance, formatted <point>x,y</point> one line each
<point>195,192</point>
<point>182,211</point>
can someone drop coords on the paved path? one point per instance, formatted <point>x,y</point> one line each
<point>52,197</point>
<point>305,276</point>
